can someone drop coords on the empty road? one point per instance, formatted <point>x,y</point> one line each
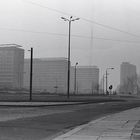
<point>45,123</point>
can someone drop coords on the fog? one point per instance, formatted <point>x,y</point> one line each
<point>106,35</point>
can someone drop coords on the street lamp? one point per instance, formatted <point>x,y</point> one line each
<point>107,79</point>
<point>75,77</point>
<point>103,81</point>
<point>31,73</point>
<point>68,77</point>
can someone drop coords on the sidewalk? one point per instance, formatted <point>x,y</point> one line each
<point>120,126</point>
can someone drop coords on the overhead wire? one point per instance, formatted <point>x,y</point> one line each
<point>85,19</point>
<point>51,9</point>
<point>65,35</point>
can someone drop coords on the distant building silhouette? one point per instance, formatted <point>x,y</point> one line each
<point>49,74</point>
<point>87,79</point>
<point>128,78</point>
<point>11,66</point>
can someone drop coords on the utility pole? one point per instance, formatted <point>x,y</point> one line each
<point>31,73</point>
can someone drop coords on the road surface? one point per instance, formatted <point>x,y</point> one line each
<point>55,120</point>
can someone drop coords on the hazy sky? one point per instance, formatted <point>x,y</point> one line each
<point>25,23</point>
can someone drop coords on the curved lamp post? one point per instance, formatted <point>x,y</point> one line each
<point>75,77</point>
<point>31,73</point>
<point>104,75</point>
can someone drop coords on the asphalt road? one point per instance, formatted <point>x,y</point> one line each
<point>49,126</point>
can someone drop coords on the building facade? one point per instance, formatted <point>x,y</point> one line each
<point>128,78</point>
<point>87,79</point>
<point>49,74</point>
<point>11,66</point>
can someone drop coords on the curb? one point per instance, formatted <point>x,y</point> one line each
<point>40,105</point>
<point>32,104</point>
<point>78,128</point>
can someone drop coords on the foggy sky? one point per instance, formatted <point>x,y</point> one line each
<point>17,17</point>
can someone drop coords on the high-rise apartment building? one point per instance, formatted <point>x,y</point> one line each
<point>11,66</point>
<point>87,79</point>
<point>128,78</point>
<point>49,74</point>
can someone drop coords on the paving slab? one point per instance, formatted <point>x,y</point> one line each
<point>136,132</point>
<point>118,126</point>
